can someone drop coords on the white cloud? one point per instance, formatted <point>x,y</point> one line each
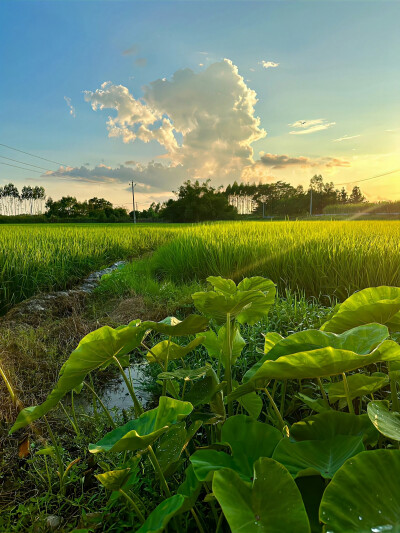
<point>211,111</point>
<point>310,126</point>
<point>346,138</point>
<point>70,106</point>
<point>269,64</point>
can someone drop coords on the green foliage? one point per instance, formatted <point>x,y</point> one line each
<point>266,471</point>
<point>362,495</point>
<point>258,508</point>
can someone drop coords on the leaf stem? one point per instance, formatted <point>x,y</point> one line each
<point>106,411</point>
<point>393,392</point>
<point>275,408</point>
<point>157,468</point>
<point>58,455</point>
<point>135,507</point>
<point>136,403</point>
<point>321,387</point>
<point>347,391</point>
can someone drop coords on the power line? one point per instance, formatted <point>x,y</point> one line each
<point>366,179</point>
<point>23,163</point>
<point>33,155</point>
<point>15,166</point>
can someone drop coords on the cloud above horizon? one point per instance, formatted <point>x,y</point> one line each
<point>346,138</point>
<point>71,108</point>
<point>205,121</point>
<point>269,64</point>
<point>283,161</point>
<point>310,126</point>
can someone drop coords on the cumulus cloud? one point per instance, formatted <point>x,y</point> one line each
<point>346,138</point>
<point>269,64</point>
<point>211,113</point>
<point>70,106</point>
<point>310,126</point>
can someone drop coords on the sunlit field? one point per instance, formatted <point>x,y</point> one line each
<point>320,258</point>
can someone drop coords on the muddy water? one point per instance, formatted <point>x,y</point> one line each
<point>116,394</point>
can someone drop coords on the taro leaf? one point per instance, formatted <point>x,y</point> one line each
<point>310,457</point>
<point>252,403</point>
<point>215,343</point>
<point>386,422</point>
<point>271,504</point>
<point>248,440</point>
<point>305,344</point>
<point>271,338</point>
<point>363,495</point>
<point>316,404</point>
<point>173,350</point>
<point>249,303</point>
<point>95,350</point>
<point>312,489</point>
<point>114,479</point>
<point>217,306</point>
<point>221,285</point>
<point>172,444</point>
<point>185,374</point>
<point>375,304</point>
<point>204,390</point>
<point>173,327</point>
<point>157,521</point>
<point>324,362</point>
<point>143,431</point>
<point>332,423</point>
<point>359,385</point>
<point>190,489</point>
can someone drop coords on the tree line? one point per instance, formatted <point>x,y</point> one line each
<point>197,201</point>
<point>29,201</point>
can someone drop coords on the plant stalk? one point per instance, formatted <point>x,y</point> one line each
<point>275,408</point>
<point>347,391</point>
<point>106,411</point>
<point>157,468</point>
<point>58,455</point>
<point>136,403</point>
<point>135,507</point>
<point>393,392</point>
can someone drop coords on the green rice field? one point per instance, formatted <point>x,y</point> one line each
<point>320,258</point>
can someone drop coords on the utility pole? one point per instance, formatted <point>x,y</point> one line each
<point>133,201</point>
<point>311,202</point>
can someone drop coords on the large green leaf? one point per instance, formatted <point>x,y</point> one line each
<point>270,339</point>
<point>386,422</point>
<point>171,445</point>
<point>185,374</point>
<point>359,385</point>
<point>363,495</point>
<point>312,489</point>
<point>190,489</point>
<point>249,302</point>
<point>216,343</point>
<point>158,520</point>
<point>95,350</point>
<point>272,504</point>
<point>375,304</point>
<point>252,403</point>
<point>310,457</point>
<point>360,340</point>
<point>316,404</point>
<point>173,327</point>
<point>324,362</point>
<point>172,350</point>
<point>331,423</point>
<point>248,440</point>
<point>143,431</point>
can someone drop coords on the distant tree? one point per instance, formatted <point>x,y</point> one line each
<point>356,196</point>
<point>343,197</point>
<point>197,202</point>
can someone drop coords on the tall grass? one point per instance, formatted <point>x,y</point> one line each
<point>322,258</point>
<point>42,258</point>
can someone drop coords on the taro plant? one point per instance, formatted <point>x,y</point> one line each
<point>325,460</point>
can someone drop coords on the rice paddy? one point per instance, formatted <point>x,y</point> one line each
<point>319,258</point>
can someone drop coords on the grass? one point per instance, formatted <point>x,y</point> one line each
<point>321,258</point>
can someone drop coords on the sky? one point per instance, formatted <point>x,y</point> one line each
<point>161,92</point>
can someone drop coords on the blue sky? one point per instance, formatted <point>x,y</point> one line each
<point>335,85</point>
